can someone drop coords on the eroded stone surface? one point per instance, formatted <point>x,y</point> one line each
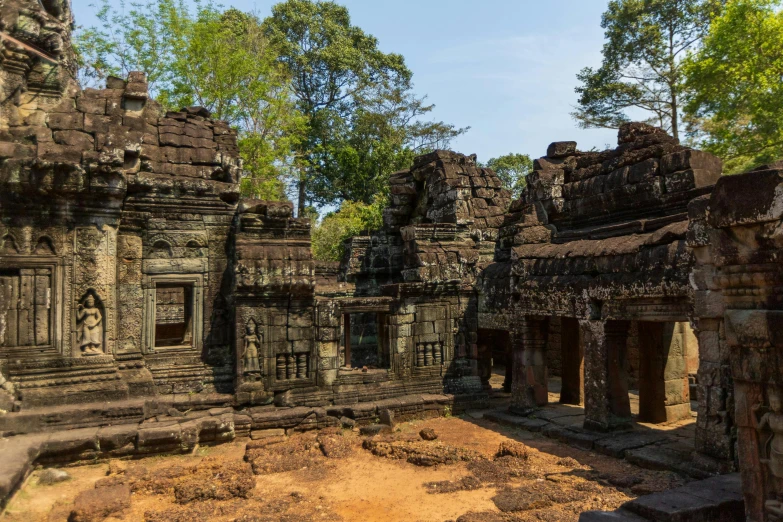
<point>146,308</point>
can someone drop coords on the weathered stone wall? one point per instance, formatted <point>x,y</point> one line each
<point>439,234</point>
<point>129,267</point>
<point>734,234</point>
<point>600,237</point>
<point>103,196</point>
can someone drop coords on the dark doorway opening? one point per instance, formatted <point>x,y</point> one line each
<point>494,359</point>
<point>364,340</point>
<point>173,315</point>
<point>572,362</point>
<point>663,380</point>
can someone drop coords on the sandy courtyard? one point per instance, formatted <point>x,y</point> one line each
<point>332,477</point>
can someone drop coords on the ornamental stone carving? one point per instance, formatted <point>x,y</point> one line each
<point>90,324</point>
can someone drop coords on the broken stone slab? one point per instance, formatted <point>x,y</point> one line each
<point>66,445</point>
<point>722,488</point>
<point>17,455</point>
<point>475,414</point>
<point>579,438</point>
<point>659,458</point>
<point>387,417</point>
<point>551,413</point>
<point>561,149</point>
<point>716,499</point>
<point>159,439</point>
<point>51,476</point>
<point>265,434</point>
<point>374,429</point>
<point>517,421</point>
<point>428,434</point>
<point>347,423</point>
<point>111,438</point>
<point>617,444</point>
<point>620,515</point>
<point>97,504</point>
<point>281,417</point>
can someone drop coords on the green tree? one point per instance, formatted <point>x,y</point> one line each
<point>219,60</point>
<point>350,220</point>
<point>381,135</point>
<point>735,86</point>
<point>512,169</point>
<point>641,70</point>
<point>362,118</point>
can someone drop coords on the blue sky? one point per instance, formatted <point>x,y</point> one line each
<point>506,68</point>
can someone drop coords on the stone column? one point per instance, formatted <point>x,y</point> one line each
<point>573,362</point>
<point>714,440</point>
<point>606,381</point>
<point>529,385</point>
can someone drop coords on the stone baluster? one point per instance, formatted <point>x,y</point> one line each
<point>290,366</point>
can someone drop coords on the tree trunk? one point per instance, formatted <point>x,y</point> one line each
<point>300,209</point>
<point>675,116</point>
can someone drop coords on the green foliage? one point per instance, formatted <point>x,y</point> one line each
<point>642,61</point>
<point>315,101</point>
<point>363,121</point>
<point>352,219</point>
<point>218,60</point>
<point>133,37</point>
<point>512,169</point>
<point>735,84</point>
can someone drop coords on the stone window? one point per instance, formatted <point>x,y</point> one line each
<point>26,307</point>
<point>173,315</point>
<point>364,340</point>
<point>173,312</point>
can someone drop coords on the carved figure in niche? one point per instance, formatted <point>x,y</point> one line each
<point>772,447</point>
<point>250,359</point>
<point>90,326</point>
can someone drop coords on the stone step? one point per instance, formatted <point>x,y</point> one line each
<point>517,421</point>
<point>646,448</point>
<point>716,499</point>
<point>658,457</point>
<point>620,515</point>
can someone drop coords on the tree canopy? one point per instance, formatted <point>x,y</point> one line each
<point>352,219</point>
<point>512,169</point>
<point>203,56</point>
<point>735,86</point>
<point>363,120</point>
<point>641,72</point>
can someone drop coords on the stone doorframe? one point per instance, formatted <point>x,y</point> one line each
<point>150,283</point>
<point>382,306</point>
<point>56,326</point>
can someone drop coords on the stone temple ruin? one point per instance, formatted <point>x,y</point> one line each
<point>135,282</point>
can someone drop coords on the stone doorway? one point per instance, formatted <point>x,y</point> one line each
<point>363,340</point>
<point>494,359</point>
<point>666,359</point>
